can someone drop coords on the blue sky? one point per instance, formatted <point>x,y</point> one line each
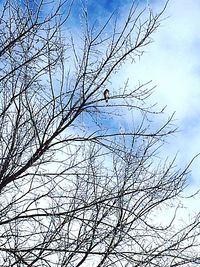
<point>100,10</point>
<point>105,4</point>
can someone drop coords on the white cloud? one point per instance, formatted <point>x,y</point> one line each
<point>173,63</point>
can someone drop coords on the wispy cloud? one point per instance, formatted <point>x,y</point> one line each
<point>173,63</point>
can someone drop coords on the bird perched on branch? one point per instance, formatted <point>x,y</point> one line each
<point>106,95</point>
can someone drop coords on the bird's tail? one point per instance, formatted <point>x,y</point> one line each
<point>106,100</point>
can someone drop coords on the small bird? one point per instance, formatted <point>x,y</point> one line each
<point>106,95</point>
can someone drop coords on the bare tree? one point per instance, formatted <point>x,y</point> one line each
<point>75,189</point>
